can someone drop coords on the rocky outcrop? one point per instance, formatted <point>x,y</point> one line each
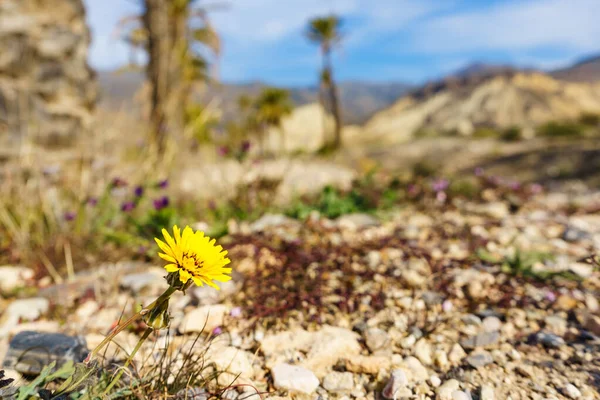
<point>523,99</point>
<point>47,90</point>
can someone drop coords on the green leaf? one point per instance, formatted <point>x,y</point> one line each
<point>78,375</point>
<point>27,390</point>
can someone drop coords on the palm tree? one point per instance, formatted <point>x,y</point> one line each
<point>325,31</point>
<point>177,37</point>
<point>271,106</point>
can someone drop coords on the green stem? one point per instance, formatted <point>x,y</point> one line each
<point>167,293</point>
<point>133,353</point>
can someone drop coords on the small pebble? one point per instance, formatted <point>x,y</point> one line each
<point>571,391</point>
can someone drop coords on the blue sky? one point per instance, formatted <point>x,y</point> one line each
<point>385,40</point>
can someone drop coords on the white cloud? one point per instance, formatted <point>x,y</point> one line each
<point>513,26</point>
<point>269,21</point>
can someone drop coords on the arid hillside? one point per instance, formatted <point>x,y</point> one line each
<point>464,105</point>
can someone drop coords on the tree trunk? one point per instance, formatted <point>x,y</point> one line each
<point>333,97</point>
<point>167,44</point>
<point>157,70</point>
<point>323,102</point>
<point>180,86</point>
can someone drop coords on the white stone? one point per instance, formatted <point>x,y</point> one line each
<point>13,277</point>
<point>419,372</point>
<point>423,352</point>
<point>376,339</point>
<point>338,381</point>
<point>414,279</point>
<point>30,309</point>
<point>398,380</point>
<point>294,378</point>
<point>459,395</point>
<point>435,381</point>
<point>456,354</point>
<point>444,392</point>
<point>408,342</point>
<point>204,319</point>
<point>571,391</point>
<point>487,393</point>
<point>491,324</point>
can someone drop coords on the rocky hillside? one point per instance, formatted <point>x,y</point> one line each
<point>464,104</point>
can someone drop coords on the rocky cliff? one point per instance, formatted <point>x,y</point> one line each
<point>47,90</point>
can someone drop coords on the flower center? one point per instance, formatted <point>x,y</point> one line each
<point>191,263</point>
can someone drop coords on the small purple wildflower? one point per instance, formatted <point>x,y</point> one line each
<point>245,146</point>
<point>92,201</point>
<point>478,171</point>
<point>439,185</point>
<point>139,191</point>
<point>70,216</point>
<point>161,203</point>
<point>217,331</point>
<point>163,184</point>
<point>127,206</point>
<point>236,312</point>
<point>550,296</point>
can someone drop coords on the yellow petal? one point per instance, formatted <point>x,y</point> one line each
<point>222,278</point>
<point>198,281</point>
<point>171,267</point>
<point>187,232</point>
<point>184,276</point>
<point>169,239</point>
<point>163,246</point>
<point>167,257</point>
<point>177,234</point>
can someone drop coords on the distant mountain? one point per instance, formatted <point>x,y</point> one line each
<point>482,69</point>
<point>360,100</point>
<point>586,70</point>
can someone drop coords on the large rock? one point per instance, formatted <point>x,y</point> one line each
<point>30,351</point>
<point>44,70</point>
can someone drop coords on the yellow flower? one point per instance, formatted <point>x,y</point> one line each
<point>194,256</point>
